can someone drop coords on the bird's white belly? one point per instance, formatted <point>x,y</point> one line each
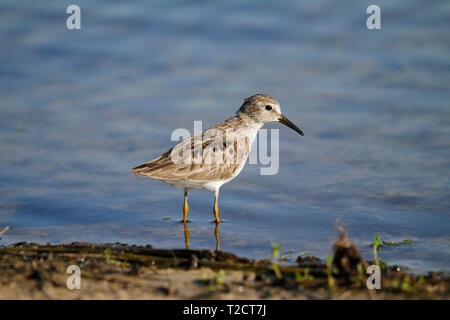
<point>209,185</point>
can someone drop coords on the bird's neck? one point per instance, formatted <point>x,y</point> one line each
<point>249,121</point>
<point>249,126</point>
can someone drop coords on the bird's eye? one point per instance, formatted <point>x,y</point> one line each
<point>268,107</point>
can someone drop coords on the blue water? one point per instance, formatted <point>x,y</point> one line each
<point>78,109</point>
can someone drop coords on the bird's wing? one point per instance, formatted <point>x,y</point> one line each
<point>206,156</point>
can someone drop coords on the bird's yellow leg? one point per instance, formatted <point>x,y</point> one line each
<point>217,234</point>
<point>186,236</point>
<point>216,208</point>
<point>185,207</point>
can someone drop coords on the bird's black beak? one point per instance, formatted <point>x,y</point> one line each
<point>288,122</point>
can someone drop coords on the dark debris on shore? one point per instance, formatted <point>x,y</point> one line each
<point>38,271</point>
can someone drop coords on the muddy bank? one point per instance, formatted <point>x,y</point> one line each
<point>120,271</point>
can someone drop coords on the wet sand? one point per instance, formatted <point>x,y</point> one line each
<point>120,271</point>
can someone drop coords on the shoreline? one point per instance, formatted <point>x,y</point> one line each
<point>120,271</point>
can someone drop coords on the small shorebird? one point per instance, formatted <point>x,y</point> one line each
<point>217,155</point>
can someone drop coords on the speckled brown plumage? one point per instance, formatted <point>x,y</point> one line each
<point>240,127</point>
<point>217,155</point>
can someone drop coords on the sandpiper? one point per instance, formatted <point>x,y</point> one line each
<point>215,156</point>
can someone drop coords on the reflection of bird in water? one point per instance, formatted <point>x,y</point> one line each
<point>187,236</point>
<point>217,155</point>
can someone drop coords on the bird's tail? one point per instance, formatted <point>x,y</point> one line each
<point>149,168</point>
<point>146,168</point>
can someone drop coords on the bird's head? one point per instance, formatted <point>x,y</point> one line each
<point>263,108</point>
